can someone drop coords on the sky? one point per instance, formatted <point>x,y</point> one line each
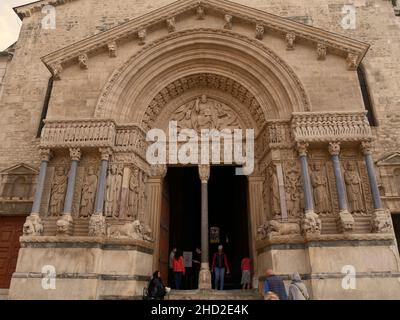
<point>10,24</point>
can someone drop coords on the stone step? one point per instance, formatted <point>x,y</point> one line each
<point>214,295</point>
<point>3,294</point>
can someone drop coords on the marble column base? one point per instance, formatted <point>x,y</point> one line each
<point>97,226</point>
<point>345,221</point>
<point>65,226</point>
<point>381,221</point>
<point>311,223</point>
<point>205,279</point>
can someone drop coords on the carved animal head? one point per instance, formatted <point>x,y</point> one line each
<point>29,228</point>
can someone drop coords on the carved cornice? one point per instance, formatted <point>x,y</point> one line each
<point>331,126</point>
<point>351,49</point>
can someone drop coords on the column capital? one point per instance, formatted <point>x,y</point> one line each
<point>366,148</point>
<point>75,154</point>
<point>302,148</point>
<point>158,171</point>
<point>204,173</point>
<point>105,153</point>
<point>45,154</point>
<point>334,148</point>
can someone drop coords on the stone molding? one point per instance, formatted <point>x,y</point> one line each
<point>67,241</point>
<point>345,46</point>
<point>309,238</point>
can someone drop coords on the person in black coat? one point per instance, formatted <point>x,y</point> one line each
<point>156,289</point>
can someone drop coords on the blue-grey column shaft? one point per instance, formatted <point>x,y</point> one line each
<point>101,189</point>
<point>40,187</point>
<point>204,223</point>
<point>308,195</point>
<point>71,187</point>
<point>340,188</point>
<point>373,181</point>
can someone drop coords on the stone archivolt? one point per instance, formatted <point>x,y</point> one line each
<point>204,81</point>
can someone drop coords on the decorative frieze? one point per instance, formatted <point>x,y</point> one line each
<point>331,126</point>
<point>75,134</point>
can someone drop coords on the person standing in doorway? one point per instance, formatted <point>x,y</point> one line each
<point>246,273</point>
<point>219,266</point>
<point>171,279</point>
<point>179,269</point>
<point>275,284</point>
<point>196,266</point>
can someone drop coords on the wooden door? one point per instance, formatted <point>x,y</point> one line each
<point>10,232</point>
<point>164,233</point>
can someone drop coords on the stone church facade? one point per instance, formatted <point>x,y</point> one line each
<point>77,102</point>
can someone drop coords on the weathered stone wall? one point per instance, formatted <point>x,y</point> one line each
<point>26,83</point>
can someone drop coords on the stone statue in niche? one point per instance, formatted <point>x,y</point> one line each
<point>293,191</point>
<point>114,185</point>
<point>205,113</point>
<point>354,189</point>
<point>88,193</point>
<point>58,190</point>
<point>133,194</point>
<point>142,198</point>
<point>274,192</point>
<point>319,183</point>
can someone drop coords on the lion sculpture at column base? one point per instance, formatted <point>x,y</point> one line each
<point>134,230</point>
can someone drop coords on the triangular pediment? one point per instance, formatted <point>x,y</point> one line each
<point>20,169</point>
<point>231,13</point>
<point>390,160</point>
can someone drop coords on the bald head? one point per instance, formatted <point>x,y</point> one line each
<point>269,273</point>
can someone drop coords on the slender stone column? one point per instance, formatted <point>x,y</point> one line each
<point>33,222</point>
<point>311,223</point>
<point>154,203</point>
<point>381,219</point>
<point>346,220</point>
<point>256,219</point>
<point>65,225</point>
<point>366,150</point>
<point>97,223</point>
<point>205,274</point>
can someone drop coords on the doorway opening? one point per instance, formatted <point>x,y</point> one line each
<point>227,215</point>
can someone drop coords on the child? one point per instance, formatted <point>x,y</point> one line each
<point>246,274</point>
